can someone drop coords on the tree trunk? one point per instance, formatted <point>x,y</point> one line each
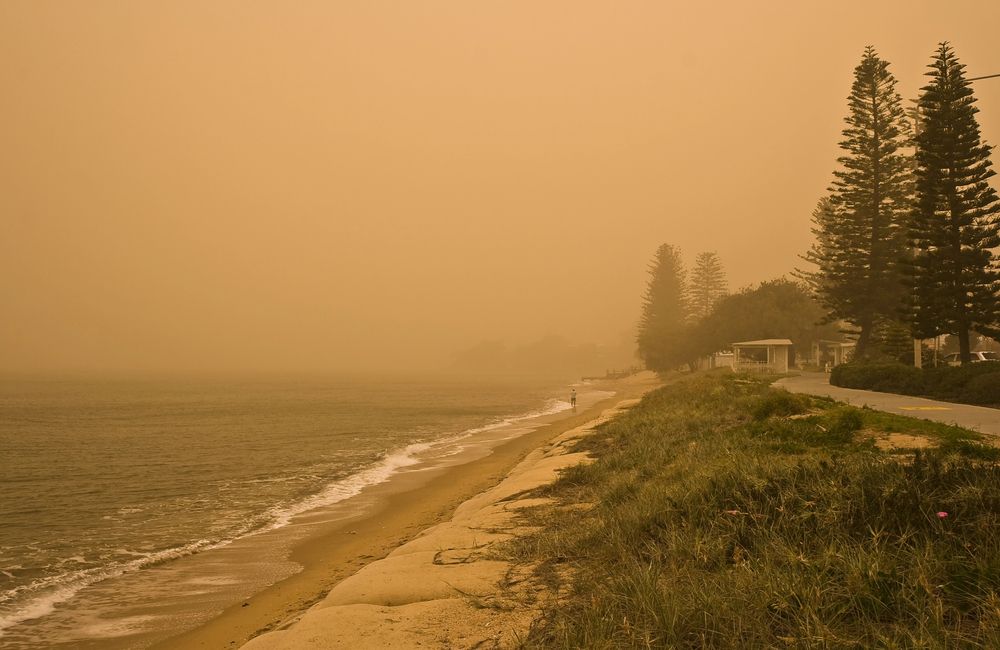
<point>864,338</point>
<point>963,345</point>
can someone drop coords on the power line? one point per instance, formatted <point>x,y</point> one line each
<point>989,76</point>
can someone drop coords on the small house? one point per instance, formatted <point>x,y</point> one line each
<point>716,360</point>
<point>833,353</point>
<point>766,355</point>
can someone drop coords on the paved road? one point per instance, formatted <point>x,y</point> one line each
<point>978,418</point>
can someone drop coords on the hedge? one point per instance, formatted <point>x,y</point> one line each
<point>977,383</point>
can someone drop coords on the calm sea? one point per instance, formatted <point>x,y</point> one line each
<point>103,480</point>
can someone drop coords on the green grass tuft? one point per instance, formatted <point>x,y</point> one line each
<point>780,402</point>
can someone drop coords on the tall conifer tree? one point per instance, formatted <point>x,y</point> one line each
<point>861,227</point>
<point>956,220</point>
<point>664,312</point>
<point>708,284</point>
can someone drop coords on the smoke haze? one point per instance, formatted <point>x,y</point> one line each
<point>205,186</point>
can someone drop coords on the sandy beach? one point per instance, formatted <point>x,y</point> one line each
<point>375,565</point>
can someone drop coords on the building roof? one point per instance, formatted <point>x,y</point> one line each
<point>766,342</point>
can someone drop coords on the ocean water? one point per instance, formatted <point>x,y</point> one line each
<point>105,484</point>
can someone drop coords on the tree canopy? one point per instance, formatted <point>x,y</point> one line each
<point>775,309</point>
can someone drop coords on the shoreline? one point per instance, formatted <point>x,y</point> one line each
<point>397,513</point>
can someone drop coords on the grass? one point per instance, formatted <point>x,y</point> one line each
<point>730,514</point>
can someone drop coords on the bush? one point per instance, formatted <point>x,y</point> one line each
<point>977,383</point>
<point>885,377</point>
<point>951,381</point>
<point>984,389</point>
<point>844,421</point>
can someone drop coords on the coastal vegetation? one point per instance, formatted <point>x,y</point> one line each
<point>721,512</point>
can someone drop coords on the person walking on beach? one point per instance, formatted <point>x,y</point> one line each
<point>572,398</point>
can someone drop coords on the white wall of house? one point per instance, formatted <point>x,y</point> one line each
<point>779,358</point>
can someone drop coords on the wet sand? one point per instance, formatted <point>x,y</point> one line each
<point>399,511</point>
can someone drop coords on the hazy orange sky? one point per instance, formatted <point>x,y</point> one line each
<point>315,185</point>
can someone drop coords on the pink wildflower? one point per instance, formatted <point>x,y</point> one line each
<point>942,515</point>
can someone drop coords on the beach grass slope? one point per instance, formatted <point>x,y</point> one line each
<point>722,512</point>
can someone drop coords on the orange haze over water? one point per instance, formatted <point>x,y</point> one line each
<point>247,185</point>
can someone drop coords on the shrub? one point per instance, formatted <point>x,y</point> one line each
<point>977,383</point>
<point>952,381</point>
<point>886,377</point>
<point>844,375</point>
<point>984,389</point>
<point>844,421</point>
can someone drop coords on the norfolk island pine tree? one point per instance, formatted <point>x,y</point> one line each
<point>860,227</point>
<point>708,284</point>
<point>955,276</point>
<point>664,312</point>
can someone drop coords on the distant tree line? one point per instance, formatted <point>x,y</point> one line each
<point>685,317</point>
<point>905,238</point>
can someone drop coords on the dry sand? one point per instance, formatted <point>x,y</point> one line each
<point>431,589</point>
